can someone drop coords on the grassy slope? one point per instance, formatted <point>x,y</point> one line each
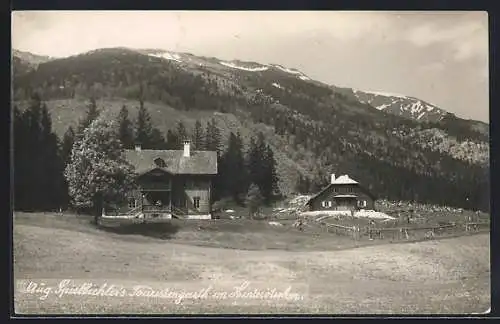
<point>448,276</point>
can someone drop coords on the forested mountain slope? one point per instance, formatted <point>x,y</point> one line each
<point>314,129</point>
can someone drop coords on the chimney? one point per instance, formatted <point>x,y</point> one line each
<point>187,148</point>
<point>332,179</point>
<point>137,147</point>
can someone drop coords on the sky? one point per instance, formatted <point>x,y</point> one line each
<point>439,57</point>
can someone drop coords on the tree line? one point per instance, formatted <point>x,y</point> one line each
<point>50,174</point>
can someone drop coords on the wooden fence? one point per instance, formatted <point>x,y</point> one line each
<point>404,233</point>
<point>353,231</point>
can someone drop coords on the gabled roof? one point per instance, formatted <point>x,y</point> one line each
<point>344,179</point>
<point>199,162</point>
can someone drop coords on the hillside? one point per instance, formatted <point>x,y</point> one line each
<point>313,128</point>
<point>23,62</point>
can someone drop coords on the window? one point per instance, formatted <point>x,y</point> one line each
<point>329,204</point>
<point>132,203</point>
<point>160,163</point>
<point>362,203</point>
<point>196,202</point>
<point>325,204</point>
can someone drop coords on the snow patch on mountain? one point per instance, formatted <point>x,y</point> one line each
<point>168,56</point>
<point>234,66</point>
<point>382,107</point>
<point>386,94</point>
<point>416,107</point>
<point>287,70</point>
<point>299,74</point>
<point>400,104</point>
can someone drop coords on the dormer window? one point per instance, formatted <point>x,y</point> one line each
<point>159,162</point>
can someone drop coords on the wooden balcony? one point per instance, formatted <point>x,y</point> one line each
<point>156,209</point>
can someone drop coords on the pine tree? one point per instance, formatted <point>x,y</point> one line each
<point>269,185</point>
<point>67,145</point>
<point>307,186</point>
<point>21,160</point>
<point>181,134</point>
<point>157,140</point>
<point>126,132</point>
<point>300,185</point>
<point>239,164</point>
<point>66,148</point>
<point>144,127</point>
<point>232,170</point>
<point>91,114</point>
<point>98,173</point>
<point>33,159</point>
<point>52,167</point>
<point>198,137</point>
<point>45,124</point>
<point>38,167</point>
<point>172,140</point>
<point>320,180</point>
<point>254,162</point>
<point>213,137</point>
<point>208,137</point>
<point>262,168</point>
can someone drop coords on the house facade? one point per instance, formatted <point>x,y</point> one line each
<point>171,183</point>
<point>343,193</point>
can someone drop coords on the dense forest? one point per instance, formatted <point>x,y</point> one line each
<point>397,158</point>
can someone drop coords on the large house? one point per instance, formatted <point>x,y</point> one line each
<point>171,183</point>
<point>343,193</point>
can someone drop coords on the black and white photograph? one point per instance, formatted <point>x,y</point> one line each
<point>250,162</point>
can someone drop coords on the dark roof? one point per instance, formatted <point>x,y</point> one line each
<point>339,185</point>
<point>199,162</point>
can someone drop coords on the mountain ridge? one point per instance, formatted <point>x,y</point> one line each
<point>403,105</point>
<point>316,128</point>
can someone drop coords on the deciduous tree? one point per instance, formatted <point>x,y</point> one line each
<point>98,173</point>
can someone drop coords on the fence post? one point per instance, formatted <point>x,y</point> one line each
<point>405,233</point>
<point>355,230</point>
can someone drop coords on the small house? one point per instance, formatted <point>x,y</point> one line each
<point>171,183</point>
<point>343,193</point>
